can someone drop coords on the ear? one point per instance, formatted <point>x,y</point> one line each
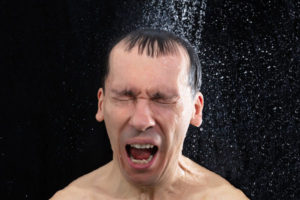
<point>99,114</point>
<point>198,107</point>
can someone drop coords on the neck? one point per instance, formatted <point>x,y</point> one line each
<point>122,188</point>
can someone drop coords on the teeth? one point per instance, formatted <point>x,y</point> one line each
<point>142,146</point>
<point>141,161</point>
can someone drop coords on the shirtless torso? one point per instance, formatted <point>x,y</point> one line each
<point>195,182</point>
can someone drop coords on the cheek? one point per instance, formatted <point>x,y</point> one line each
<point>114,119</point>
<point>171,121</point>
<point>165,115</point>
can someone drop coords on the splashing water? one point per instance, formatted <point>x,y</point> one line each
<point>184,18</point>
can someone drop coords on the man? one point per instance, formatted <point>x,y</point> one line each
<point>149,97</point>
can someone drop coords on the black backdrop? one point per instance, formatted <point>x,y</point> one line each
<point>53,52</point>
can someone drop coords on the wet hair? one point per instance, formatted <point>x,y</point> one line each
<point>155,43</point>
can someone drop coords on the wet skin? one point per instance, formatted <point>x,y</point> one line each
<point>147,100</point>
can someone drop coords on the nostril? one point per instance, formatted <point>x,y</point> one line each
<point>147,128</point>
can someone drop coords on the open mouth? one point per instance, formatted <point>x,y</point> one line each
<point>141,153</point>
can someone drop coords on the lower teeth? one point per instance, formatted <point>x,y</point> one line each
<point>141,161</point>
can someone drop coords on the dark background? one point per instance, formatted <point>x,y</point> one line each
<point>52,54</point>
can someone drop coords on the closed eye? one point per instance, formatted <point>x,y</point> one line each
<point>165,101</point>
<point>159,98</point>
<point>125,95</point>
<point>124,98</point>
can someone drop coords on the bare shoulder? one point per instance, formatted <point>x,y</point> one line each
<point>71,193</point>
<point>225,192</point>
<point>85,187</point>
<point>209,185</point>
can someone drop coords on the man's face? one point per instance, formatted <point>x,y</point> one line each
<point>147,108</point>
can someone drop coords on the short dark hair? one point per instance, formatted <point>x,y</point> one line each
<point>158,42</point>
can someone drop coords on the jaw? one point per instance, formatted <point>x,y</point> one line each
<point>158,170</point>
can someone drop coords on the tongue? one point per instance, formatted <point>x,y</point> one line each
<point>140,154</point>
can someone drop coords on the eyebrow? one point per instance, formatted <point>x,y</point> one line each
<point>125,92</point>
<point>160,95</point>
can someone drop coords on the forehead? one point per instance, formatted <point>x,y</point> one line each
<point>123,60</point>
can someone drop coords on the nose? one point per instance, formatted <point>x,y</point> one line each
<point>141,118</point>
